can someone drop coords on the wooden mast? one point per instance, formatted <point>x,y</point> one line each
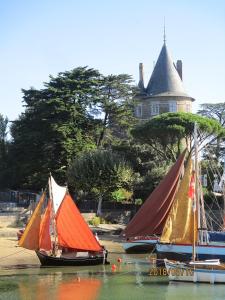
<point>196,196</point>
<point>53,215</point>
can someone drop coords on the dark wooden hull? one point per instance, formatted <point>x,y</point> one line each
<point>52,261</point>
<point>139,246</point>
<point>140,249</point>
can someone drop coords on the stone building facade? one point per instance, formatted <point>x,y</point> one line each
<point>165,91</point>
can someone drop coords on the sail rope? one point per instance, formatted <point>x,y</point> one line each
<point>214,203</point>
<point>211,217</point>
<point>3,257</point>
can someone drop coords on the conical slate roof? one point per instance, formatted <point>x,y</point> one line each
<point>165,79</point>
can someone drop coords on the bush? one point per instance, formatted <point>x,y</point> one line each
<point>138,201</point>
<point>95,221</point>
<point>121,195</point>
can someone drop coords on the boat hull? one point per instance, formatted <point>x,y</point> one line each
<point>184,252</point>
<point>182,272</point>
<point>50,261</point>
<point>139,246</point>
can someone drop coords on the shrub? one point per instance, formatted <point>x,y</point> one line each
<point>121,195</point>
<point>138,201</point>
<point>95,221</point>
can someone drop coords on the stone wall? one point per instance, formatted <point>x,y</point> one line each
<point>152,106</point>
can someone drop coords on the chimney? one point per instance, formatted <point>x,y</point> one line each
<point>179,68</point>
<point>141,76</point>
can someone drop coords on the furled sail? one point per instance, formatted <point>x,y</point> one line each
<point>30,237</point>
<point>151,217</point>
<point>179,226</point>
<point>72,230</point>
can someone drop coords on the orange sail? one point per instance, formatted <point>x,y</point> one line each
<point>44,235</point>
<point>72,230</point>
<point>30,237</point>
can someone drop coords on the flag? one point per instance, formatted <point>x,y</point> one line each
<point>191,191</point>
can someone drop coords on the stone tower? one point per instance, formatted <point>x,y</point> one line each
<point>165,91</point>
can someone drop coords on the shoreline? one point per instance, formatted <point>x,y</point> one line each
<point>13,256</point>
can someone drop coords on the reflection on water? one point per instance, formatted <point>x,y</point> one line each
<point>131,280</point>
<point>55,287</point>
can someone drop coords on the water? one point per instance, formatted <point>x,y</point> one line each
<point>131,280</point>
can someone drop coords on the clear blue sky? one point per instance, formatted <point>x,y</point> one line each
<point>42,37</point>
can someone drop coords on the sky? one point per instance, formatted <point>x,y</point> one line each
<point>39,38</point>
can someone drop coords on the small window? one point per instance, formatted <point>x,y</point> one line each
<point>188,108</point>
<point>154,109</point>
<point>173,106</point>
<point>138,111</point>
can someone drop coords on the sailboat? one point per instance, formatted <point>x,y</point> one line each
<point>60,236</point>
<point>177,237</point>
<point>188,229</point>
<point>145,228</point>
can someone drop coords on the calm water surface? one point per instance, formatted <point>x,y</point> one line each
<point>131,280</point>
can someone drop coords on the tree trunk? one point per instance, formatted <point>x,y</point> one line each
<point>102,134</point>
<point>99,210</point>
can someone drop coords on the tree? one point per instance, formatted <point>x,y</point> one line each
<point>167,133</point>
<point>4,145</point>
<point>214,111</point>
<point>59,123</point>
<point>146,163</point>
<point>100,172</point>
<point>3,128</point>
<point>54,128</point>
<point>115,104</point>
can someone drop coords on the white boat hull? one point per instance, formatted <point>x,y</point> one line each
<point>184,252</point>
<point>182,272</point>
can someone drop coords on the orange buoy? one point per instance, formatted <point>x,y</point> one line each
<point>119,260</point>
<point>113,267</point>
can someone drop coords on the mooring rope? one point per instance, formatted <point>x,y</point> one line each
<point>3,257</point>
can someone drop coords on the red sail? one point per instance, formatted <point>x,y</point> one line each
<point>44,234</point>
<point>151,217</point>
<point>72,230</point>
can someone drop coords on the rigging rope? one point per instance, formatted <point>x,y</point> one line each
<point>3,257</point>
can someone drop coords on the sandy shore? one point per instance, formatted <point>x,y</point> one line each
<point>11,255</point>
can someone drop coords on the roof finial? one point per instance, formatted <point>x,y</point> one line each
<point>164,31</point>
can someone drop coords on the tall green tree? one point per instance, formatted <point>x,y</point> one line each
<point>146,162</point>
<point>115,105</point>
<point>59,123</point>
<point>4,146</point>
<point>55,127</point>
<point>167,133</point>
<point>215,111</point>
<point>100,172</point>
